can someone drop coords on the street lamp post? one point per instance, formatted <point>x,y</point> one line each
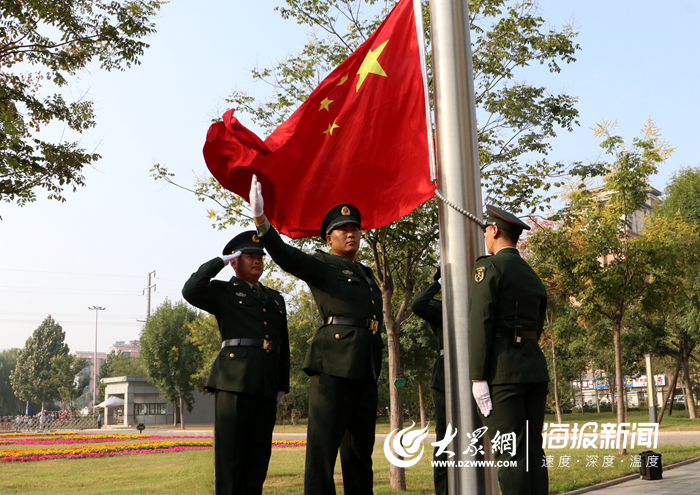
<point>97,309</point>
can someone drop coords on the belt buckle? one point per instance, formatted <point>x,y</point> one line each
<point>267,345</point>
<point>374,325</point>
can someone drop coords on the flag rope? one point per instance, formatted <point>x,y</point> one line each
<point>464,212</point>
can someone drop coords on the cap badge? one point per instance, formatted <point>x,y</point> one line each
<point>347,272</point>
<point>240,294</point>
<point>255,238</point>
<point>345,211</point>
<point>479,275</point>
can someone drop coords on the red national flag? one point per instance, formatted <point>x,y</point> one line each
<point>360,138</point>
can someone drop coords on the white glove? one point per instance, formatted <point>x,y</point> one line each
<point>228,257</point>
<point>440,281</point>
<point>480,390</point>
<point>280,396</point>
<point>256,199</point>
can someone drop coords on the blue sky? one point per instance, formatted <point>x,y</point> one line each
<point>637,60</point>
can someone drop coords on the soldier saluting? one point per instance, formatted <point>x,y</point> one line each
<point>251,373</point>
<point>345,355</point>
<point>506,364</point>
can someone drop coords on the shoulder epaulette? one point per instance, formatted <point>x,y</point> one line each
<point>482,257</point>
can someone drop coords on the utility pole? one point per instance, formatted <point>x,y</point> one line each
<point>97,309</point>
<point>149,288</point>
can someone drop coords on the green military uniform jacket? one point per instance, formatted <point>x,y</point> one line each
<point>341,287</point>
<point>424,305</point>
<point>506,291</point>
<point>242,314</point>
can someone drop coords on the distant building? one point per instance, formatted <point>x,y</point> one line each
<point>636,220</point>
<point>143,404</point>
<point>89,356</point>
<point>133,348</point>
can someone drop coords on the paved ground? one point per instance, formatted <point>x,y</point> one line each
<point>680,479</point>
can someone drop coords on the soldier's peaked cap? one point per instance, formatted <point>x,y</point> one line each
<point>505,220</point>
<point>341,214</point>
<point>245,242</point>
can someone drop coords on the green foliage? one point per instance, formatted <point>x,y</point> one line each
<point>9,403</point>
<point>34,375</point>
<point>168,356</point>
<point>49,42</point>
<point>69,377</point>
<point>606,273</point>
<point>204,334</point>
<point>303,320</point>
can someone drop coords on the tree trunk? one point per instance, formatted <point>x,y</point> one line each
<point>671,392</point>
<point>597,398</point>
<point>174,414</point>
<point>557,407</point>
<point>422,403</point>
<point>397,475</point>
<point>619,376</point>
<point>689,399</point>
<point>580,382</point>
<point>182,418</point>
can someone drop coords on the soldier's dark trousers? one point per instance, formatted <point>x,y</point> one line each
<point>342,415</point>
<point>243,427</point>
<point>519,408</point>
<point>440,472</point>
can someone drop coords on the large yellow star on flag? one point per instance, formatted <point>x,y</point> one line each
<point>329,131</point>
<point>324,104</point>
<point>370,65</point>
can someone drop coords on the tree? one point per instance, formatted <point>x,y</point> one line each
<point>9,403</point>
<point>206,337</point>
<point>34,376</point>
<point>682,319</point>
<point>170,359</point>
<point>118,364</point>
<point>607,271</point>
<point>56,40</point>
<point>518,120</point>
<point>70,377</point>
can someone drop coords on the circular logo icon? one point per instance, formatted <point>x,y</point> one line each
<point>406,444</point>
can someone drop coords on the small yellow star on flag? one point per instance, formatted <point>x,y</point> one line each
<point>370,65</point>
<point>329,131</point>
<point>324,104</point>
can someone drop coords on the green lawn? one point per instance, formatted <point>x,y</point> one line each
<point>169,473</point>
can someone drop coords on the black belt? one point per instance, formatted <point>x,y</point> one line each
<point>266,344</point>
<point>352,322</point>
<point>508,334</point>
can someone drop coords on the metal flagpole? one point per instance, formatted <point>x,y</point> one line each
<point>461,238</point>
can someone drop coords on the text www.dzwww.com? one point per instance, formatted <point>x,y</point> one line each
<point>474,463</point>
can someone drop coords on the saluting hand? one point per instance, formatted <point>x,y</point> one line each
<point>480,390</point>
<point>228,257</point>
<point>256,199</point>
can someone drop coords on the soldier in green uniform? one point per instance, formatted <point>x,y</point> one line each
<point>427,307</point>
<point>506,365</point>
<point>251,373</point>
<point>345,355</point>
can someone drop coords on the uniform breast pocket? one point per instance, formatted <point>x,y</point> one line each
<point>348,287</point>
